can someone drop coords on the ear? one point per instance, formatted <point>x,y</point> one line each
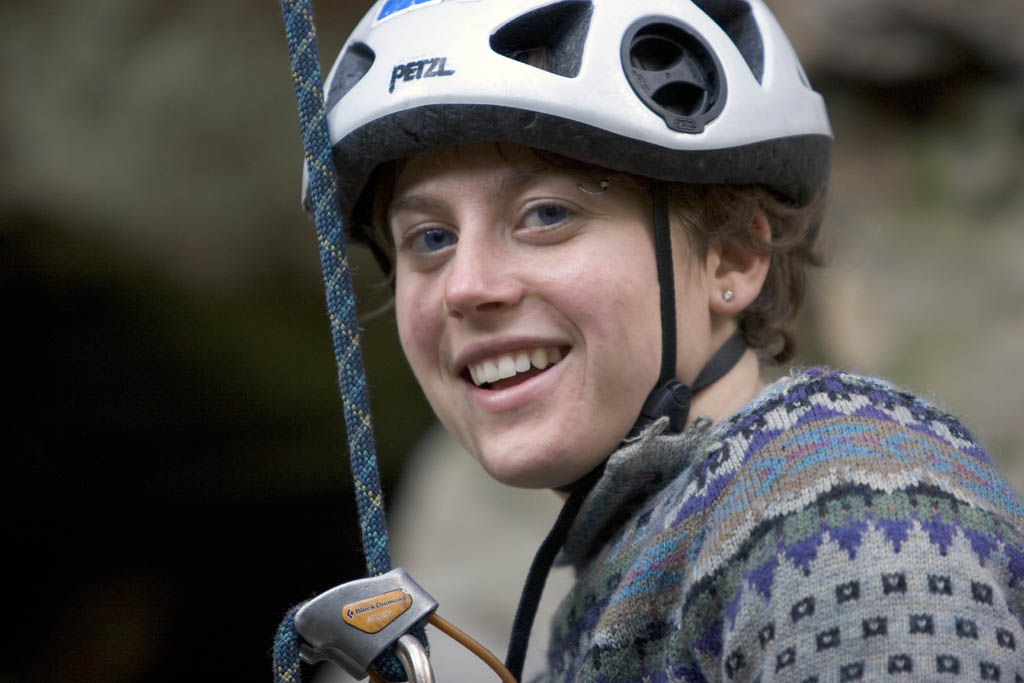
<point>736,268</point>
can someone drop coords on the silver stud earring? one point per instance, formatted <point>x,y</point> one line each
<point>604,186</point>
<point>727,295</point>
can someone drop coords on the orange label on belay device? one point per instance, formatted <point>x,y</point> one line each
<point>373,614</point>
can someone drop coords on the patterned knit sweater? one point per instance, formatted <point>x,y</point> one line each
<point>835,529</point>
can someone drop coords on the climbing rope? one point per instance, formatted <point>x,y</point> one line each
<point>323,189</point>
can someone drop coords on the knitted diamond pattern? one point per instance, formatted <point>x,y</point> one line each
<point>835,529</point>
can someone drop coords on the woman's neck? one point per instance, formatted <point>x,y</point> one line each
<point>731,392</point>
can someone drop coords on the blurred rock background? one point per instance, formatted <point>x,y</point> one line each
<point>176,450</point>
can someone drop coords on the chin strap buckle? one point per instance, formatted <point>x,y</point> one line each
<point>671,399</point>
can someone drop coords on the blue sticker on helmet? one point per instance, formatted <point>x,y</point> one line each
<point>394,6</point>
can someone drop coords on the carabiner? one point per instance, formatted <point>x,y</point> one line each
<point>413,656</point>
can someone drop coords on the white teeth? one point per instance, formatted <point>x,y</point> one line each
<point>506,367</point>
<point>509,364</point>
<point>490,371</point>
<point>522,361</point>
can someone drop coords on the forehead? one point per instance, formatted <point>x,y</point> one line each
<point>473,163</point>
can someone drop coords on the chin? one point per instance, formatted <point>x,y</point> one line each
<point>523,467</point>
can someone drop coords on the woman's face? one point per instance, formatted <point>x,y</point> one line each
<point>528,308</point>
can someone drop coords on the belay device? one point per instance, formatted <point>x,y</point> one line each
<point>378,619</point>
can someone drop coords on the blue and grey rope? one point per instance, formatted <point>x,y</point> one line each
<point>286,650</point>
<point>323,188</point>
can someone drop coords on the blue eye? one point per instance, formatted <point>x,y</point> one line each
<point>433,239</point>
<point>548,214</point>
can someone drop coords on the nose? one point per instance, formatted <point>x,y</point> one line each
<point>481,278</point>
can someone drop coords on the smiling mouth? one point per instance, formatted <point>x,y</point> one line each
<point>509,369</point>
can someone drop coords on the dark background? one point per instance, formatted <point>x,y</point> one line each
<point>178,474</point>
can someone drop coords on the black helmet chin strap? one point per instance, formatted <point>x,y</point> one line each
<point>666,280</point>
<point>669,397</point>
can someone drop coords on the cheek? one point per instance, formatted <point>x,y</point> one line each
<point>626,354</point>
<point>613,301</point>
<point>416,329</point>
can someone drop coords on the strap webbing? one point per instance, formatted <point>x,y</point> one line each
<point>723,360</point>
<point>666,280</point>
<point>537,577</point>
<point>341,308</point>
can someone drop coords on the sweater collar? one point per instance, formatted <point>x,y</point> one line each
<point>639,467</point>
<point>645,464</point>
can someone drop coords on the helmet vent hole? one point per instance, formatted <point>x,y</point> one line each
<point>681,98</point>
<point>550,38</point>
<point>737,20</point>
<point>354,64</point>
<point>654,52</point>
<point>674,71</point>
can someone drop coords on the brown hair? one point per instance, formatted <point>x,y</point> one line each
<point>717,214</point>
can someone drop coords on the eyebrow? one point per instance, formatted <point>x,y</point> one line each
<point>509,182</point>
<point>416,202</point>
<point>516,181</point>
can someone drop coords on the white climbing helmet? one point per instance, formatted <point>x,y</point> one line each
<point>701,91</point>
